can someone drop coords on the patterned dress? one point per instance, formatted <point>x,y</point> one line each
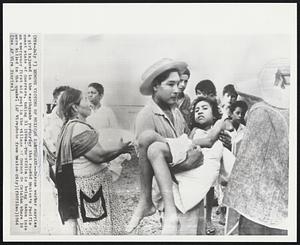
<point>258,185</point>
<point>85,195</point>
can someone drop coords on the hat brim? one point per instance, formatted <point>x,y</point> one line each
<point>252,97</point>
<point>274,97</point>
<point>146,86</point>
<point>249,87</point>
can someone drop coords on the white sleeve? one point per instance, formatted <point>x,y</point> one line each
<point>227,163</point>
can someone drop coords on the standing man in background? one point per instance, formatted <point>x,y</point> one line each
<point>102,116</point>
<point>183,100</point>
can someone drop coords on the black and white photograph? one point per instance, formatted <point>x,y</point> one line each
<point>150,133</point>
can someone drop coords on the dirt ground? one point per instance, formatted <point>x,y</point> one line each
<point>127,188</point>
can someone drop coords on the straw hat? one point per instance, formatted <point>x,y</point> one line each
<point>156,69</point>
<point>272,84</point>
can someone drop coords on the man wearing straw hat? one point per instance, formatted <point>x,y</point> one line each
<point>258,185</point>
<point>162,116</point>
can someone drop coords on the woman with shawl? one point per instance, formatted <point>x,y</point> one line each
<point>85,201</point>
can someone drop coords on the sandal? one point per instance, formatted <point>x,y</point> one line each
<point>161,215</point>
<point>222,220</point>
<point>218,211</point>
<point>210,230</point>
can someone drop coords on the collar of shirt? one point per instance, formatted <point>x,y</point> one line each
<point>158,111</point>
<point>94,108</point>
<point>240,128</point>
<point>235,132</point>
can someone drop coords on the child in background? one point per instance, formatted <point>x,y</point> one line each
<point>238,110</point>
<point>206,88</point>
<point>229,97</point>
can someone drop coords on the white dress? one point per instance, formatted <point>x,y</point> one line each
<point>194,184</point>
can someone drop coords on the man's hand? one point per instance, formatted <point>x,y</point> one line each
<point>226,139</point>
<point>193,160</point>
<point>126,147</point>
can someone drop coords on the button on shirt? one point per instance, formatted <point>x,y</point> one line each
<point>152,117</point>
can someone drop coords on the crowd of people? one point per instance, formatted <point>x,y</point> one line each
<point>191,155</point>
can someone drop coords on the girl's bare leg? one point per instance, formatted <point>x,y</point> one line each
<point>145,206</point>
<point>158,152</point>
<point>210,229</point>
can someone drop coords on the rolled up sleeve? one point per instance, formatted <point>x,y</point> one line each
<point>143,122</point>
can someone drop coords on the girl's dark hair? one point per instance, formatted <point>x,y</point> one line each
<point>99,87</point>
<point>207,87</point>
<point>162,76</point>
<point>214,107</point>
<point>230,89</point>
<point>239,103</point>
<point>70,97</point>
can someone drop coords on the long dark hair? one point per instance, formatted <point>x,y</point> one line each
<point>70,97</point>
<point>214,107</point>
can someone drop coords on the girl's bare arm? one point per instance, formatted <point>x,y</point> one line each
<point>213,134</point>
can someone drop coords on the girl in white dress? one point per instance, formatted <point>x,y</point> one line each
<point>192,185</point>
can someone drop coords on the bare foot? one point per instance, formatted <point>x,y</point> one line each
<point>170,225</point>
<point>142,210</point>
